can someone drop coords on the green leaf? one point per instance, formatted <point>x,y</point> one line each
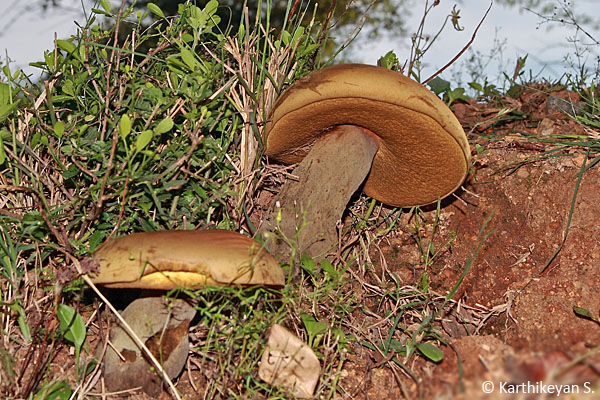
<point>431,351</point>
<point>164,126</point>
<point>172,184</point>
<point>476,86</point>
<point>339,335</point>
<point>143,140</point>
<point>59,129</point>
<point>307,263</point>
<point>584,313</point>
<point>187,38</point>
<point>6,110</point>
<point>211,7</point>
<point>188,58</point>
<point>2,152</point>
<point>56,390</point>
<point>72,325</point>
<point>439,85</point>
<point>396,346</point>
<point>307,50</point>
<point>106,5</point>
<point>22,320</point>
<point>286,37</point>
<point>389,61</point>
<point>241,33</point>
<point>67,88</point>
<point>424,282</point>
<point>60,98</point>
<point>71,171</point>
<point>125,126</point>
<point>329,270</point>
<point>298,34</point>
<point>514,91</point>
<point>313,327</point>
<point>69,47</point>
<point>197,18</point>
<point>99,12</point>
<point>65,45</point>
<point>154,9</point>
<point>49,60</point>
<point>456,94</point>
<point>4,94</point>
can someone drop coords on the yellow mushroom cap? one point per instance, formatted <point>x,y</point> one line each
<point>191,259</point>
<point>423,151</point>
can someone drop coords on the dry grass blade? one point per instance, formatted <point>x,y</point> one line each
<point>262,67</point>
<point>250,72</point>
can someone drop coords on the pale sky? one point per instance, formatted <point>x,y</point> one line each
<point>518,30</point>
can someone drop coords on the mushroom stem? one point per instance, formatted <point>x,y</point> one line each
<point>333,170</point>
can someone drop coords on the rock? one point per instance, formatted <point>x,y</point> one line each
<point>169,344</point>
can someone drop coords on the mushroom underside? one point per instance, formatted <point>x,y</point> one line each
<point>310,207</point>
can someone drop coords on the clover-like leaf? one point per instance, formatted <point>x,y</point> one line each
<point>154,9</point>
<point>431,351</point>
<point>143,140</point>
<point>164,126</point>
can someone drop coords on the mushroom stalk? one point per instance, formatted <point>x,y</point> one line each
<point>310,207</point>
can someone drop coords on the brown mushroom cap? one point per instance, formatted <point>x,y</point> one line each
<point>191,259</point>
<point>423,151</point>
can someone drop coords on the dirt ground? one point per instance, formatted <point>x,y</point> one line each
<point>537,335</point>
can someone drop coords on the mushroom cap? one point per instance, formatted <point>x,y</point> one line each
<point>170,259</point>
<point>423,151</point>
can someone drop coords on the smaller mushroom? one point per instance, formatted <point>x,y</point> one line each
<point>168,260</point>
<point>186,259</point>
<point>357,126</point>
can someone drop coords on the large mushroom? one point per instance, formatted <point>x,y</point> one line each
<point>168,260</point>
<point>351,125</point>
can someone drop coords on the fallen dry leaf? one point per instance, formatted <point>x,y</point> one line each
<point>289,362</point>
